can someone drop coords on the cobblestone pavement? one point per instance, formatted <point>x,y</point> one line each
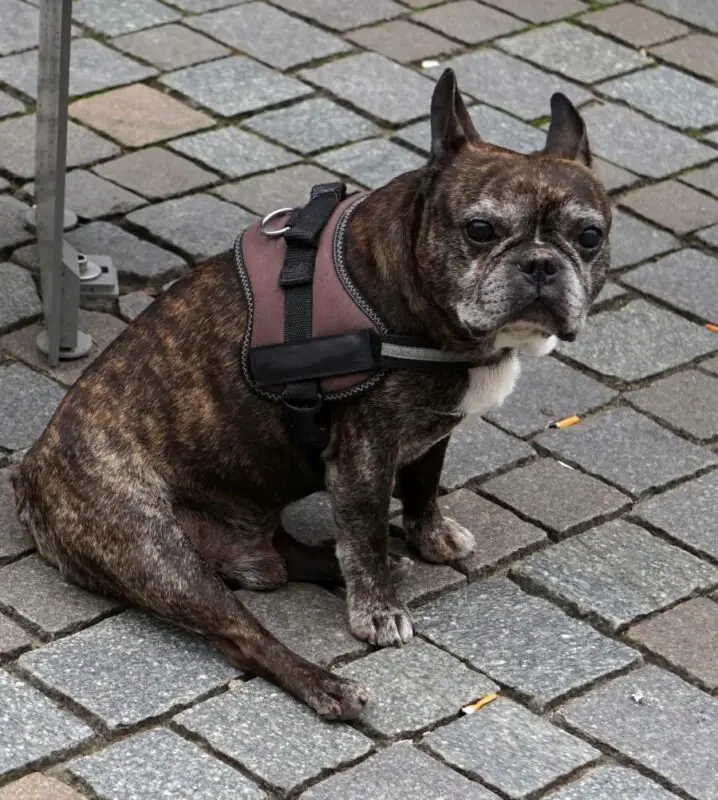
<point>591,605</point>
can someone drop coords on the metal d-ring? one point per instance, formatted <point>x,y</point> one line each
<point>269,218</point>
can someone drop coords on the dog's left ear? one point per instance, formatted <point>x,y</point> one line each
<point>567,136</point>
<point>451,125</point>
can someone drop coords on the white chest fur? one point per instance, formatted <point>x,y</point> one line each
<point>490,386</point>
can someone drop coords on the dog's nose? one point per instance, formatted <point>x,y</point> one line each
<point>539,269</point>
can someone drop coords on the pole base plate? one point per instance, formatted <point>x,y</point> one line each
<point>84,345</point>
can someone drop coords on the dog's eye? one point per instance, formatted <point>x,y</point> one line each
<point>590,238</point>
<point>478,230</point>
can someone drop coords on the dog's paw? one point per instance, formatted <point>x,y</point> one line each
<point>384,624</point>
<point>335,698</point>
<point>399,567</point>
<point>446,542</point>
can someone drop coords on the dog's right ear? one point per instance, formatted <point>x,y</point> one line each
<point>451,125</point>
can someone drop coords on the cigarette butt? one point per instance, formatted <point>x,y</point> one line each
<point>565,423</point>
<point>709,326</point>
<point>480,703</point>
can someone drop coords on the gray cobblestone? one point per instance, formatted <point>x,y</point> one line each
<point>27,401</point>
<point>372,162</point>
<point>633,240</point>
<point>690,209</point>
<point>695,12</point>
<point>13,638</point>
<point>342,16</point>
<point>14,540</point>
<point>706,178</point>
<point>636,25</point>
<point>612,177</point>
<point>21,24</point>
<point>112,19</point>
<point>12,222</point>
<point>468,22</point>
<point>609,782</point>
<point>19,300</point>
<point>133,304</point>
<point>696,53</point>
<point>545,11</point>
<point>170,46</point>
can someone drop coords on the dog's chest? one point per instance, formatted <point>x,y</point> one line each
<point>490,386</point>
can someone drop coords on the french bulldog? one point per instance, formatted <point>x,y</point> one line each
<point>161,477</point>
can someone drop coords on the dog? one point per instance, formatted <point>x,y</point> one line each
<point>161,477</point>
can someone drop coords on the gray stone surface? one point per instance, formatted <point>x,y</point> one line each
<point>623,343</point>
<point>468,22</point>
<point>35,591</point>
<point>620,135</point>
<point>612,782</point>
<point>696,53</point>
<point>320,633</point>
<point>13,638</point>
<point>310,520</point>
<point>177,768</point>
<point>612,177</point>
<point>312,125</point>
<point>130,668</point>
<point>424,580</point>
<point>397,773</point>
<point>709,236</point>
<point>214,85</point>
<point>32,727</point>
<point>133,304</point>
<point>705,179</point>
<point>19,300</point>
<point>522,641</point>
<point>687,514</point>
<point>12,222</point>
<point>403,41</point>
<point>284,42</point>
<point>687,280</point>
<point>695,12</point>
<point>672,731</point>
<point>200,225</point>
<point>272,735</point>
<point>609,293</point>
<point>9,105</point>
<point>545,11</point>
<point>20,29</point>
<point>556,496</point>
<point>711,365</point>
<point>112,19</point>
<point>200,6</point>
<point>673,205</point>
<point>27,401</point>
<point>14,539</point>
<point>170,46</point>
<point>617,573</point>
<point>414,686</point>
<point>376,85</point>
<point>548,391</point>
<point>373,162</point>
<point>636,25</point>
<point>633,240</point>
<point>476,449</point>
<point>341,15</point>
<point>511,749</point>
<point>234,152</point>
<point>627,449</point>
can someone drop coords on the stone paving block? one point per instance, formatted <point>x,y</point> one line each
<point>686,637</point>
<point>636,25</point>
<point>139,115</point>
<point>38,787</point>
<point>612,782</point>
<point>711,365</point>
<point>170,46</point>
<point>604,345</point>
<point>342,16</point>
<point>27,401</point>
<point>690,209</point>
<point>284,188</point>
<point>274,736</point>
<point>159,763</point>
<point>500,535</point>
<point>19,300</point>
<point>687,514</point>
<point>695,12</point>
<point>696,53</point>
<point>628,450</point>
<point>372,162</point>
<point>375,85</point>
<point>403,41</point>
<point>399,772</point>
<point>285,41</point>
<point>102,329</point>
<point>617,573</point>
<point>547,391</point>
<point>312,125</point>
<point>112,19</point>
<point>83,146</point>
<point>156,173</point>
<point>234,152</point>
<point>201,225</point>
<point>612,177</point>
<point>94,67</point>
<point>633,240</point>
<point>468,22</point>
<point>620,135</point>
<point>705,179</point>
<point>13,638</point>
<point>32,727</point>
<point>556,496</point>
<point>310,520</point>
<point>14,539</point>
<point>687,401</point>
<point>522,641</point>
<point>12,222</point>
<point>133,304</point>
<point>574,52</point>
<point>320,633</point>
<point>476,449</point>
<point>34,590</point>
<point>9,105</point>
<point>610,292</point>
<point>687,280</point>
<point>515,86</point>
<point>671,729</point>
<point>20,29</point>
<point>214,85</point>
<point>200,6</point>
<point>668,95</point>
<point>545,11</point>
<point>414,686</point>
<point>709,236</point>
<point>510,749</point>
<point>130,668</point>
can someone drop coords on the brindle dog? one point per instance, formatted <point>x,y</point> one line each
<point>161,474</point>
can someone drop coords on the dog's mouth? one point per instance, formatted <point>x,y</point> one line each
<point>547,319</point>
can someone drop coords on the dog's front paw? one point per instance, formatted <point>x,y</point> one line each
<point>335,698</point>
<point>445,542</point>
<point>382,623</point>
<point>399,567</point>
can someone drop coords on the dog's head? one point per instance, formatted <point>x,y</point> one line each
<point>513,248</point>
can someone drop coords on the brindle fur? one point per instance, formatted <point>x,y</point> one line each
<point>161,477</point>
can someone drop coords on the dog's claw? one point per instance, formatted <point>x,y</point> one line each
<point>447,542</point>
<point>337,698</point>
<point>384,626</point>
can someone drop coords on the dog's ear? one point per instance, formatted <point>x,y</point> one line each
<point>567,137</point>
<point>451,125</point>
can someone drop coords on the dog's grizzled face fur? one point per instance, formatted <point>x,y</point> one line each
<point>512,243</point>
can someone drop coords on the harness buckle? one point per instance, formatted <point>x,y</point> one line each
<point>308,425</point>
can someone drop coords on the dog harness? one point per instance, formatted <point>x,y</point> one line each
<point>311,337</point>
